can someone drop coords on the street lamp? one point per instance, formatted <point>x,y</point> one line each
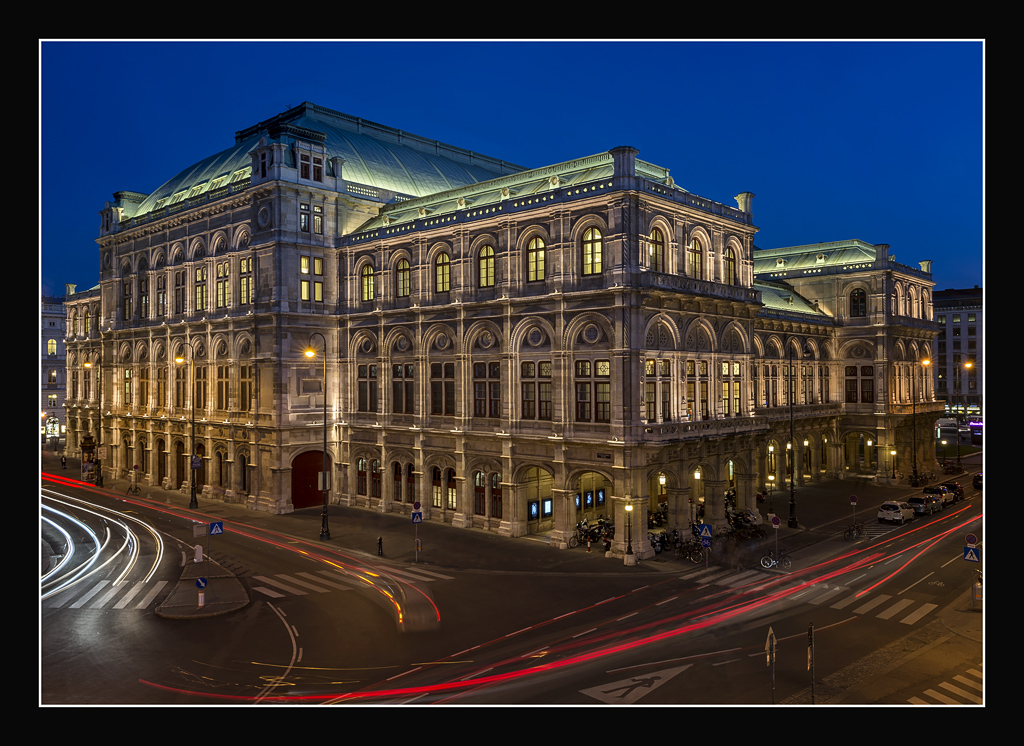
<point>959,396</point>
<point>629,534</point>
<point>913,404</point>
<point>193,503</point>
<point>892,461</point>
<point>99,423</point>
<point>325,532</point>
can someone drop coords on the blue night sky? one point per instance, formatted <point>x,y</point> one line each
<point>878,141</point>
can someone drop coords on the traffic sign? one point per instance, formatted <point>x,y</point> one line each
<point>200,582</point>
<point>216,528</point>
<point>972,554</point>
<point>853,499</point>
<point>971,540</point>
<point>776,521</point>
<point>417,516</point>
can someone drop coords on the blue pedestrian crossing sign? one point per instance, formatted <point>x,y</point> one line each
<point>705,534</point>
<point>417,516</point>
<point>972,554</point>
<point>216,528</point>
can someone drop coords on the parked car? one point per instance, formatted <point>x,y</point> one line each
<point>945,495</point>
<point>925,504</point>
<point>954,487</point>
<point>897,512</point>
<point>977,480</point>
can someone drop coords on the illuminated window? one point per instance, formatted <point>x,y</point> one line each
<point>486,262</point>
<point>367,282</point>
<point>402,275</point>
<point>657,250</point>
<point>535,260</point>
<point>593,244</point>
<point>729,267</point>
<point>696,255</point>
<point>442,273</point>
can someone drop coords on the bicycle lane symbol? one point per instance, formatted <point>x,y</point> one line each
<point>628,691</point>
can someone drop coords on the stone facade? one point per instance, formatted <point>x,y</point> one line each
<point>512,348</point>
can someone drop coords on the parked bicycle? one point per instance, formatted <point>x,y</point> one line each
<point>854,532</point>
<point>770,560</point>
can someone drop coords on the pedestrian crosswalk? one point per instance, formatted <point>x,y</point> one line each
<point>325,581</point>
<point>881,605</point>
<point>963,689</point>
<point>104,594</point>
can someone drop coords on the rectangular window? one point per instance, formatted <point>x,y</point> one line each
<point>222,387</point>
<point>304,166</point>
<point>367,386</point>
<point>223,289</point>
<point>200,289</point>
<point>318,219</point>
<point>402,388</point>
<point>245,388</point>
<point>529,409</point>
<point>583,402</point>
<point>442,388</point>
<point>487,389</point>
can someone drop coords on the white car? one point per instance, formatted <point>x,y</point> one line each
<point>897,512</point>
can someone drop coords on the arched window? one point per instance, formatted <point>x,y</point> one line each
<point>375,478</point>
<point>593,244</point>
<point>696,254</point>
<point>487,267</point>
<point>435,488</point>
<point>367,277</point>
<point>858,303</point>
<point>451,490</point>
<point>657,249</point>
<point>535,260</point>
<point>479,493</point>
<point>402,279</point>
<point>729,267</point>
<point>496,495</point>
<point>442,273</point>
<point>361,476</point>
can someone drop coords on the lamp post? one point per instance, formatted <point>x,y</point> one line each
<point>325,532</point>
<point>892,461</point>
<point>959,396</point>
<point>629,559</point>
<point>193,503</point>
<point>99,422</point>
<point>789,451</point>
<point>913,405</point>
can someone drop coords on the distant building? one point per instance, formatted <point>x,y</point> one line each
<point>512,348</point>
<point>959,363</point>
<point>53,367</point>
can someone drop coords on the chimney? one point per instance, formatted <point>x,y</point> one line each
<point>745,200</point>
<point>69,289</point>
<point>624,158</point>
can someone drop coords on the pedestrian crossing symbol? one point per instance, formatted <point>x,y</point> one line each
<point>972,554</point>
<point>216,528</point>
<point>705,531</point>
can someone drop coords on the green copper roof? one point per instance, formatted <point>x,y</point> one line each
<point>373,154</point>
<point>781,297</point>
